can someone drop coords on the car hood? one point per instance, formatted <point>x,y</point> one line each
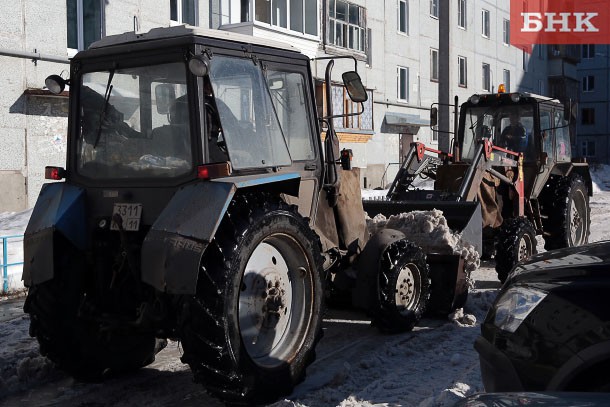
<point>566,263</point>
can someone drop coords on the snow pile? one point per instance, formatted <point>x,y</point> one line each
<point>600,175</point>
<point>21,366</point>
<point>430,231</point>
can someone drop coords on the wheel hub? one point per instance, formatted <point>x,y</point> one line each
<point>406,290</point>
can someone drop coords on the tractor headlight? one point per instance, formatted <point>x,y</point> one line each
<point>515,305</point>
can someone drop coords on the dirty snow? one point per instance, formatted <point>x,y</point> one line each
<point>435,365</point>
<point>430,231</point>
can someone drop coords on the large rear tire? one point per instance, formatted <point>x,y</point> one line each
<point>516,241</point>
<point>568,220</point>
<point>251,330</point>
<point>403,288</point>
<point>76,345</point>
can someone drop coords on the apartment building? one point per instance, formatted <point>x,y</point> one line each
<point>394,44</point>
<point>593,126</point>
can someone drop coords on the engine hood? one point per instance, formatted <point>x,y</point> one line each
<point>565,264</point>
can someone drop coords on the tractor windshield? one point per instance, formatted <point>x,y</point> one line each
<point>509,127</point>
<point>134,123</point>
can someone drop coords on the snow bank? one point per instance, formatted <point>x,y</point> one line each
<point>600,175</point>
<point>430,231</point>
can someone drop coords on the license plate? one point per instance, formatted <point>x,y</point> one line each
<point>130,214</point>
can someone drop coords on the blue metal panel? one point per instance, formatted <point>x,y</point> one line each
<point>60,206</point>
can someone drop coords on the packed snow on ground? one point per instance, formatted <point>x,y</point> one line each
<point>435,365</point>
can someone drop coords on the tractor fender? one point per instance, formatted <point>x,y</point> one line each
<point>60,208</point>
<point>174,245</point>
<point>367,267</point>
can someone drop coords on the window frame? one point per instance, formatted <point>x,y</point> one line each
<point>434,66</point>
<point>400,21</point>
<point>588,83</point>
<point>588,51</point>
<point>462,15</point>
<point>434,9</point>
<point>486,76</point>
<point>361,27</point>
<point>506,79</point>
<point>485,23</point>
<point>462,79</point>
<point>180,13</point>
<point>402,87</point>
<point>80,27</point>
<point>505,31</point>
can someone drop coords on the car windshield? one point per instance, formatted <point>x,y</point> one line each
<point>134,123</point>
<point>510,127</point>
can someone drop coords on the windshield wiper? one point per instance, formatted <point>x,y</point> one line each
<point>104,106</point>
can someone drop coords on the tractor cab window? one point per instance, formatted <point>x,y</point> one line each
<point>288,95</point>
<point>547,133</point>
<point>562,137</point>
<point>251,131</point>
<point>509,127</point>
<point>134,123</point>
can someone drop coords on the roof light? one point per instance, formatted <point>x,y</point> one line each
<point>474,99</point>
<point>501,88</point>
<point>515,97</point>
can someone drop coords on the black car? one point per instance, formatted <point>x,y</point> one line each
<point>550,399</point>
<point>549,327</point>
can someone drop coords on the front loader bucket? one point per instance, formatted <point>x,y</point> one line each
<point>449,288</point>
<point>462,217</point>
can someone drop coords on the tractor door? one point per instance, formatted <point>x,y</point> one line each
<point>547,144</point>
<point>291,93</point>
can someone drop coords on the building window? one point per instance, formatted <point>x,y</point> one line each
<point>295,15</point>
<point>486,77</point>
<point>184,11</point>
<point>403,84</point>
<point>342,104</point>
<point>220,13</point>
<point>462,14</point>
<point>506,79</point>
<point>588,115</point>
<point>347,25</point>
<point>433,64</point>
<point>588,51</point>
<point>541,87</point>
<point>403,16</point>
<point>462,72</point>
<point>588,148</point>
<point>506,32</point>
<point>434,8</point>
<point>85,22</point>
<point>485,23</point>
<point>588,83</point>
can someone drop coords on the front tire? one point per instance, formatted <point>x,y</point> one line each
<point>516,241</point>
<point>403,288</point>
<point>569,215</point>
<point>251,330</point>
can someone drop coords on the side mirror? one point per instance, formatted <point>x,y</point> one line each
<point>55,83</point>
<point>355,88</point>
<point>276,84</point>
<point>164,96</point>
<point>433,116</point>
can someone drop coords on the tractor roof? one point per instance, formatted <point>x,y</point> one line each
<point>188,32</point>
